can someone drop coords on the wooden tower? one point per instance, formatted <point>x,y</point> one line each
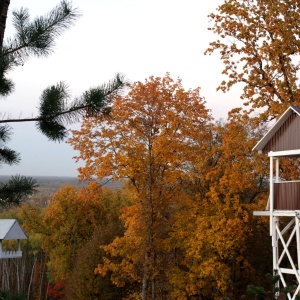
<point>283,140</point>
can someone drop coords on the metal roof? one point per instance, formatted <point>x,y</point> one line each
<point>265,139</point>
<point>10,229</point>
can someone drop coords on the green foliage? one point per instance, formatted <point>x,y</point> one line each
<point>56,112</point>
<point>255,291</point>
<point>33,38</point>
<point>18,187</point>
<point>8,295</point>
<point>7,156</point>
<point>272,292</point>
<point>37,37</point>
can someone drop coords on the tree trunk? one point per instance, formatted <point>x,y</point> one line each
<point>144,287</point>
<point>47,290</point>
<point>4,4</point>
<point>153,289</point>
<point>31,277</point>
<point>43,263</point>
<point>7,275</point>
<point>23,271</point>
<point>18,275</point>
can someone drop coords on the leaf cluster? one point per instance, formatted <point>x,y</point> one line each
<point>259,47</point>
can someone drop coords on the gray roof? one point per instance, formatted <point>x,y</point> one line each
<point>10,229</point>
<point>262,143</point>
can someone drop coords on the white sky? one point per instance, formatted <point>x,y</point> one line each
<point>138,38</point>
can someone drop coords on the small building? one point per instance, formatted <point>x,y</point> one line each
<point>283,140</point>
<point>10,229</point>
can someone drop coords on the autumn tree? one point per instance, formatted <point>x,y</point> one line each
<point>259,46</point>
<point>150,141</point>
<point>83,282</point>
<point>56,109</point>
<point>74,225</point>
<point>222,246</point>
<point>70,219</point>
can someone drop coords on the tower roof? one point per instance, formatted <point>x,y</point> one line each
<point>283,135</point>
<point>10,229</point>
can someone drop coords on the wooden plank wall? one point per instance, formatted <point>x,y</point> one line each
<point>287,137</point>
<point>287,195</point>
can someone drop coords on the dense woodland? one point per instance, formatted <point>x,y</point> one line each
<point>181,224</point>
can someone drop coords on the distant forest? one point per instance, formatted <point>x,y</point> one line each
<point>49,185</point>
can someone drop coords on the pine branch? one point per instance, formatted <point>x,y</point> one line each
<point>7,156</point>
<point>38,37</point>
<point>56,113</point>
<point>14,191</point>
<point>32,38</point>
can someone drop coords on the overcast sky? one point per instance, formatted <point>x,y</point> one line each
<point>138,38</point>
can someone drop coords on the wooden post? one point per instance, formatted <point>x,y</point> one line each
<point>271,195</point>
<point>298,243</point>
<point>277,170</point>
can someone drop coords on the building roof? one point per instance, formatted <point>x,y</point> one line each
<point>266,138</point>
<point>10,229</point>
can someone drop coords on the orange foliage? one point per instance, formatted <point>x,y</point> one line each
<point>218,237</point>
<point>152,139</point>
<point>258,43</point>
<point>193,186</point>
<point>56,291</point>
